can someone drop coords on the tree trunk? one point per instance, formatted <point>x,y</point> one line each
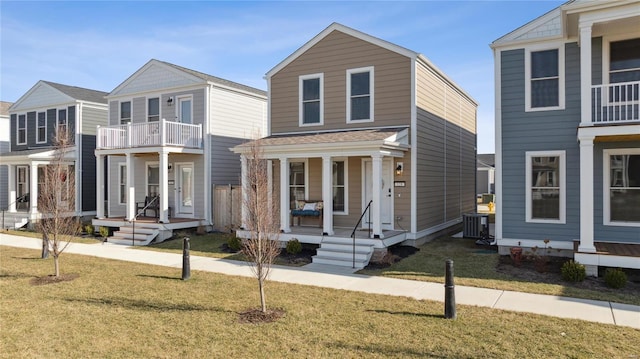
<point>45,246</point>
<point>263,301</point>
<point>57,266</point>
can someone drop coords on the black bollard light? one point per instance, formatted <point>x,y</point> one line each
<point>186,267</point>
<point>449,292</point>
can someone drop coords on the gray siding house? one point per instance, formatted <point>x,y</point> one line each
<point>167,141</point>
<point>568,133</point>
<point>5,146</point>
<point>35,119</point>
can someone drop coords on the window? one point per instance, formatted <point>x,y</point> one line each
<point>545,197</point>
<point>41,132</point>
<point>622,187</point>
<point>360,94</point>
<point>297,183</point>
<point>22,180</point>
<point>67,181</point>
<point>21,135</point>
<point>624,61</point>
<point>184,110</point>
<point>153,180</point>
<point>339,180</point>
<point>544,86</point>
<point>153,109</point>
<point>311,100</point>
<point>125,112</point>
<point>62,123</point>
<point>122,183</point>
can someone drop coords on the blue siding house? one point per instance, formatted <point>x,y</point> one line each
<point>568,134</point>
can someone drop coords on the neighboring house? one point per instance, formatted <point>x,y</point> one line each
<point>5,146</point>
<point>485,176</point>
<point>36,118</point>
<point>167,141</point>
<point>568,133</point>
<point>354,119</point>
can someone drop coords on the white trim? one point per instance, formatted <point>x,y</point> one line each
<point>345,212</point>
<point>130,101</point>
<point>561,183</point>
<point>606,51</point>
<point>159,97</point>
<point>178,106</point>
<point>18,128</point>
<point>414,149</point>
<point>120,169</point>
<point>38,126</point>
<point>531,243</point>
<point>349,72</point>
<point>606,186</point>
<point>178,196</point>
<point>147,165</point>
<point>561,76</point>
<point>305,162</point>
<point>301,80</point>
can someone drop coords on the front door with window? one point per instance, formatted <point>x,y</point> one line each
<point>386,208</point>
<point>184,190</point>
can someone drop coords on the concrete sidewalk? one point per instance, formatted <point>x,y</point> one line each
<point>344,278</point>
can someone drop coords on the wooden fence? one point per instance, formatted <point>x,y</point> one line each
<point>227,206</point>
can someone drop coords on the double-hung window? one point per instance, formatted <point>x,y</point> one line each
<point>153,109</point>
<point>21,129</point>
<point>122,183</point>
<point>62,123</point>
<point>41,131</point>
<point>311,89</point>
<point>622,187</point>
<point>125,112</point>
<point>624,61</point>
<point>339,184</point>
<point>297,183</point>
<point>544,84</point>
<point>153,180</point>
<point>545,186</point>
<point>360,94</point>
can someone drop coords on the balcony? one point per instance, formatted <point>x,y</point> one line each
<point>615,103</point>
<point>149,134</point>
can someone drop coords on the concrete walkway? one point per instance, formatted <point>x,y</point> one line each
<point>344,278</point>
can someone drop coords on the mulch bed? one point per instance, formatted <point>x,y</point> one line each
<point>301,258</point>
<point>51,279</point>
<point>256,316</point>
<point>394,254</point>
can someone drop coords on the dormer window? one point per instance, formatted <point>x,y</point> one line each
<point>360,95</point>
<point>311,90</point>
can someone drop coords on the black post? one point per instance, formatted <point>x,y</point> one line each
<point>186,267</point>
<point>449,292</point>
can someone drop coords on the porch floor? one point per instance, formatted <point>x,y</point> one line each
<point>339,232</point>
<point>614,249</point>
<point>174,223</point>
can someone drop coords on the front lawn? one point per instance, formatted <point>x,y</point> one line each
<point>118,309</point>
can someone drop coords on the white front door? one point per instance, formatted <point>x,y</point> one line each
<point>386,204</point>
<point>184,190</point>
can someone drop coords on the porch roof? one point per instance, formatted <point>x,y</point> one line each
<point>40,154</point>
<point>389,141</point>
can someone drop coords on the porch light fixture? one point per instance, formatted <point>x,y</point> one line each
<point>399,169</point>
<point>170,101</point>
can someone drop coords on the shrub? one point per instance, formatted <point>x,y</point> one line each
<point>573,271</point>
<point>294,246</point>
<point>104,232</point>
<point>89,229</point>
<point>615,278</point>
<point>234,243</point>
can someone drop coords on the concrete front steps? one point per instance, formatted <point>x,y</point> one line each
<point>14,220</point>
<point>339,252</point>
<point>143,235</point>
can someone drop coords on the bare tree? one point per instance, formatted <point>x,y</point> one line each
<point>57,199</point>
<point>262,247</point>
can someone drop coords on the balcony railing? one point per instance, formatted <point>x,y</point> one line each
<point>150,134</point>
<point>615,103</point>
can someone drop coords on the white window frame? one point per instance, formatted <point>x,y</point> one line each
<point>159,108</point>
<point>66,119</point>
<point>179,100</point>
<point>305,162</point>
<point>19,129</point>
<point>562,183</point>
<point>120,118</point>
<point>561,77</point>
<point>150,164</point>
<point>346,184</point>
<point>606,51</point>
<point>300,99</point>
<point>122,169</point>
<point>370,70</point>
<point>606,186</point>
<point>38,127</point>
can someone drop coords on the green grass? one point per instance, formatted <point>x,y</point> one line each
<point>208,245</point>
<point>118,309</point>
<point>34,234</point>
<point>476,267</point>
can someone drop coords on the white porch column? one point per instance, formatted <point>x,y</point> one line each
<point>245,185</point>
<point>131,189</point>
<point>100,186</point>
<point>327,196</point>
<point>285,226</point>
<point>164,187</point>
<point>585,74</point>
<point>586,195</point>
<point>12,188</point>
<point>33,188</point>
<point>376,194</point>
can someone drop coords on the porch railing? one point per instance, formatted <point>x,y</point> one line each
<point>150,134</point>
<point>615,103</point>
<point>353,234</point>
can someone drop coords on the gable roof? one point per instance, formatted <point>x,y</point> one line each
<point>79,93</point>
<point>57,93</point>
<point>547,25</point>
<point>193,76</point>
<point>486,160</point>
<point>4,108</point>
<point>349,31</point>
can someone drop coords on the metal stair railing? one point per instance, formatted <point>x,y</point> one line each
<point>353,233</point>
<point>133,221</point>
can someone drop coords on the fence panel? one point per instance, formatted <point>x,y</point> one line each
<point>227,206</point>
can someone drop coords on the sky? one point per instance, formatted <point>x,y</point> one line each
<point>99,44</point>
